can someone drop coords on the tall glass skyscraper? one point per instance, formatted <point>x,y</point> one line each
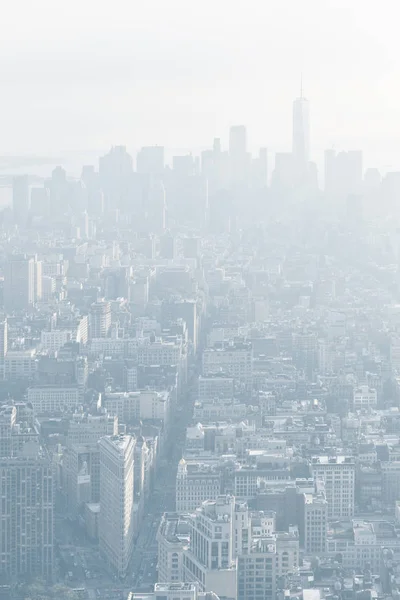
<point>301,131</point>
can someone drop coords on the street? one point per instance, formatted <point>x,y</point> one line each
<point>162,499</point>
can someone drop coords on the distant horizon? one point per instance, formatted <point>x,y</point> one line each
<point>73,159</point>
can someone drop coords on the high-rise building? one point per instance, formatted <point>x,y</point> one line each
<point>155,208</point>
<point>88,429</point>
<point>26,514</point>
<point>22,282</point>
<point>315,523</point>
<point>364,398</point>
<point>81,466</point>
<point>116,522</point>
<point>259,170</point>
<point>343,174</point>
<point>238,141</point>
<point>40,201</point>
<point>301,132</point>
<point>238,156</point>
<point>210,561</point>
<point>266,559</point>
<point>21,199</point>
<point>3,339</point>
<point>173,540</point>
<point>115,171</point>
<point>338,474</point>
<point>256,571</point>
<point>100,319</point>
<point>150,160</point>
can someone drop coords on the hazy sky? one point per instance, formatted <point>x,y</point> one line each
<point>85,74</point>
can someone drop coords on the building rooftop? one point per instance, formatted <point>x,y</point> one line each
<point>327,460</point>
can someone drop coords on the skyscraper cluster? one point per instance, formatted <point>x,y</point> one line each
<point>199,377</point>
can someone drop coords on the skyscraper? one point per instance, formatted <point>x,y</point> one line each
<point>116,523</point>
<point>3,339</point>
<point>115,172</point>
<point>239,159</point>
<point>20,199</point>
<point>150,160</point>
<point>210,560</point>
<point>301,131</point>
<point>26,509</point>
<point>20,282</point>
<point>343,174</point>
<point>100,319</point>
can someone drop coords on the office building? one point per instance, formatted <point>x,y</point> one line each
<point>81,466</point>
<point>215,386</point>
<point>238,156</point>
<point>155,208</point>
<point>234,360</point>
<point>20,364</point>
<point>88,429</point>
<point>315,508</point>
<point>50,399</point>
<point>364,398</point>
<point>40,202</point>
<point>55,339</point>
<point>21,282</point>
<point>173,540</point>
<point>343,174</point>
<point>257,571</point>
<point>3,339</point>
<point>100,319</point>
<point>115,174</point>
<point>196,483</point>
<point>133,406</point>
<point>116,522</point>
<point>26,515</point>
<point>301,132</point>
<point>174,591</point>
<point>338,474</point>
<point>20,199</point>
<point>150,161</point>
<point>210,560</point>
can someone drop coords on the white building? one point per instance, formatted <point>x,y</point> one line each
<point>173,591</point>
<point>48,288</point>
<point>210,561</point>
<point>100,319</point>
<point>196,483</point>
<point>131,406</point>
<point>263,523</point>
<point>159,353</point>
<point>88,429</point>
<point>216,386</point>
<point>116,522</point>
<point>395,352</point>
<point>115,347</point>
<point>234,360</point>
<point>55,339</point>
<point>338,474</point>
<point>53,399</point>
<point>20,364</point>
<point>173,540</point>
<point>217,410</point>
<point>364,398</point>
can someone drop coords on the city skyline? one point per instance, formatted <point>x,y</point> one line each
<point>177,77</point>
